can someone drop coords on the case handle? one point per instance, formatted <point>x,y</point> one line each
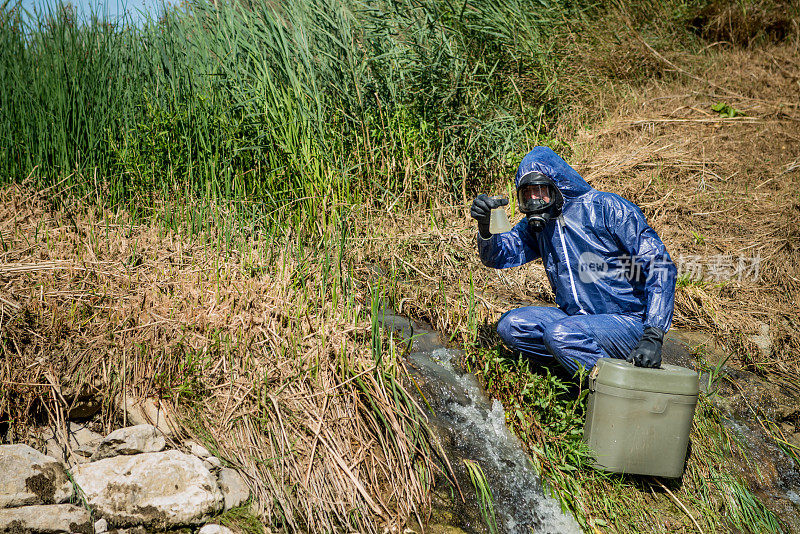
<point>659,405</point>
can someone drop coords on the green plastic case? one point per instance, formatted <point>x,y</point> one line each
<point>638,420</point>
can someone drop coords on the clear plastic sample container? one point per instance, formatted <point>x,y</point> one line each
<point>498,223</point>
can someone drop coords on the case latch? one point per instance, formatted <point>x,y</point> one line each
<point>593,377</point>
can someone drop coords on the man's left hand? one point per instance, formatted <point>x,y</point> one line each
<point>648,352</point>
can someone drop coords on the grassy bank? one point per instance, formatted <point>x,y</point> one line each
<point>197,210</point>
<point>264,353</point>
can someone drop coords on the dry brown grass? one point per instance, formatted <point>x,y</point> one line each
<point>718,188</point>
<point>747,23</point>
<point>257,359</point>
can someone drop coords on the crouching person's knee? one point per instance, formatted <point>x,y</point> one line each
<point>555,339</point>
<point>560,341</point>
<point>506,328</point>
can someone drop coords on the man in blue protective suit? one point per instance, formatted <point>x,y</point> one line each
<point>613,279</point>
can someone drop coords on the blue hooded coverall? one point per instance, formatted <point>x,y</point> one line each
<point>610,272</point>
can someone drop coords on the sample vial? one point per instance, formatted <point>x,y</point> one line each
<point>498,223</point>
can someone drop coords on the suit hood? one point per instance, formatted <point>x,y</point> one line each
<point>543,160</point>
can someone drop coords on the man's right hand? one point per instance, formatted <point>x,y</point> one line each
<point>481,211</point>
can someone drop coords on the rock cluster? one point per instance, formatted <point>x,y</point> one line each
<point>126,479</point>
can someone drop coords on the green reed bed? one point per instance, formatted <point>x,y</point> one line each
<point>319,100</point>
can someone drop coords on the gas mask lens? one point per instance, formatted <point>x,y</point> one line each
<point>534,197</point>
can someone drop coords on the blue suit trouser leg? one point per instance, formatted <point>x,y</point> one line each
<point>580,340</point>
<point>523,330</point>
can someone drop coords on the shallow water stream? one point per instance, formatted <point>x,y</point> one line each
<point>473,427</point>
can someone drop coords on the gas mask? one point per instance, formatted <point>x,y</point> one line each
<point>539,199</point>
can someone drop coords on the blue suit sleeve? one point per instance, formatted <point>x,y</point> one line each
<point>510,249</point>
<point>627,222</point>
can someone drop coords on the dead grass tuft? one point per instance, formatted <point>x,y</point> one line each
<point>263,351</point>
<point>747,23</point>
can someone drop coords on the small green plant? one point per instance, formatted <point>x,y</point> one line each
<point>242,519</point>
<point>699,239</point>
<point>483,493</point>
<point>774,431</point>
<point>472,324</point>
<point>725,110</point>
<point>746,512</point>
<point>78,496</point>
<point>714,371</point>
<point>686,280</point>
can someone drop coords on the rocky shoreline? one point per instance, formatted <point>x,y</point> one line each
<point>129,481</point>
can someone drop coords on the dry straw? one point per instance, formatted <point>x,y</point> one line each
<point>270,364</point>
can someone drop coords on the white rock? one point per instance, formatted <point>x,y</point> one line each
<point>54,449</point>
<point>233,487</point>
<point>214,529</point>
<point>83,443</point>
<point>763,340</point>
<point>81,455</point>
<point>156,489</point>
<point>29,477</point>
<point>213,463</point>
<point>46,519</point>
<point>100,526</point>
<point>198,450</point>
<point>131,440</point>
<point>147,411</point>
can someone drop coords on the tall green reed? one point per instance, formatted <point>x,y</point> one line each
<point>307,104</point>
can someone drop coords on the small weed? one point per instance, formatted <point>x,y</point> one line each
<point>241,519</point>
<point>686,280</point>
<point>78,496</point>
<point>777,435</point>
<point>726,111</point>
<point>714,371</point>
<point>483,492</point>
<point>746,512</point>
